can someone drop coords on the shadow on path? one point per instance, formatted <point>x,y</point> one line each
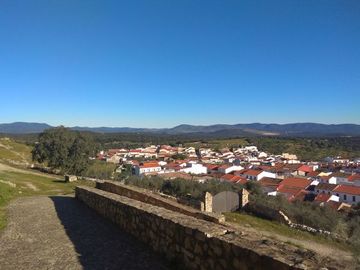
<point>99,243</point>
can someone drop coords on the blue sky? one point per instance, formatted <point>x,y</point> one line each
<point>163,63</point>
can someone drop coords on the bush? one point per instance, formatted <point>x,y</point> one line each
<point>100,170</point>
<point>306,213</point>
<point>180,187</point>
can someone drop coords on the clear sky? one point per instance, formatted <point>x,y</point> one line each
<point>163,63</point>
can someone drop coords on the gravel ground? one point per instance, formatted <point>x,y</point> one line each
<point>61,233</point>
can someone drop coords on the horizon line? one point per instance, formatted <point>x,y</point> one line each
<point>198,125</point>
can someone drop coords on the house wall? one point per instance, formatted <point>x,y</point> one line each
<point>195,169</point>
<point>233,168</point>
<point>266,174</point>
<point>338,180</point>
<point>259,176</point>
<point>347,198</point>
<point>140,171</point>
<point>318,191</point>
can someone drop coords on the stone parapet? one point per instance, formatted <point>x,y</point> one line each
<point>192,242</point>
<point>149,197</point>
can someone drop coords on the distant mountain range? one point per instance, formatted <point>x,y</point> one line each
<point>221,130</point>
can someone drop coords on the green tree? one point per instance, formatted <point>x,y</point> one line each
<point>63,149</point>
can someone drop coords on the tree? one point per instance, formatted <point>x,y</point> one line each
<point>178,156</point>
<point>65,150</point>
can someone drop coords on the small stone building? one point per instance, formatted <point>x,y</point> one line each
<point>70,178</point>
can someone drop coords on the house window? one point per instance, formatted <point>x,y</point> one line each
<point>354,199</point>
<point>345,197</point>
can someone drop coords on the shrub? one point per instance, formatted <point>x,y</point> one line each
<point>180,187</point>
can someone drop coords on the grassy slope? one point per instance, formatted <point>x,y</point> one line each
<point>276,228</point>
<point>12,152</point>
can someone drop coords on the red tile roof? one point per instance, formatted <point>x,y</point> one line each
<point>300,196</point>
<point>242,180</point>
<point>233,178</point>
<point>292,193</point>
<point>313,174</point>
<point>305,168</point>
<point>354,177</point>
<point>289,190</point>
<point>149,165</point>
<point>353,190</point>
<point>228,177</point>
<point>338,205</point>
<point>269,182</point>
<point>252,172</point>
<point>322,197</point>
<point>296,182</point>
<point>212,166</point>
<point>224,166</point>
<point>326,186</point>
<point>265,167</point>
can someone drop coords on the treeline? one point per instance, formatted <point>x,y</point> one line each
<point>309,148</point>
<point>179,187</point>
<point>133,140</point>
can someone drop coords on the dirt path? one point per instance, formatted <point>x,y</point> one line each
<point>61,233</point>
<point>4,167</point>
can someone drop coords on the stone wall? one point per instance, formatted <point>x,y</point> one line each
<point>191,242</point>
<point>154,199</point>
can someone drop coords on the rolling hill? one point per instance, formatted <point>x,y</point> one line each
<point>253,129</point>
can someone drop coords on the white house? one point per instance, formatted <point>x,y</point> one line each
<point>289,156</point>
<point>225,169</point>
<point>348,194</point>
<point>262,155</point>
<point>146,168</point>
<point>338,160</point>
<point>251,148</point>
<point>162,163</point>
<point>339,178</point>
<point>194,168</point>
<point>256,175</point>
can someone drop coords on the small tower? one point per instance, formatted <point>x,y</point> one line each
<point>208,201</point>
<point>244,197</point>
